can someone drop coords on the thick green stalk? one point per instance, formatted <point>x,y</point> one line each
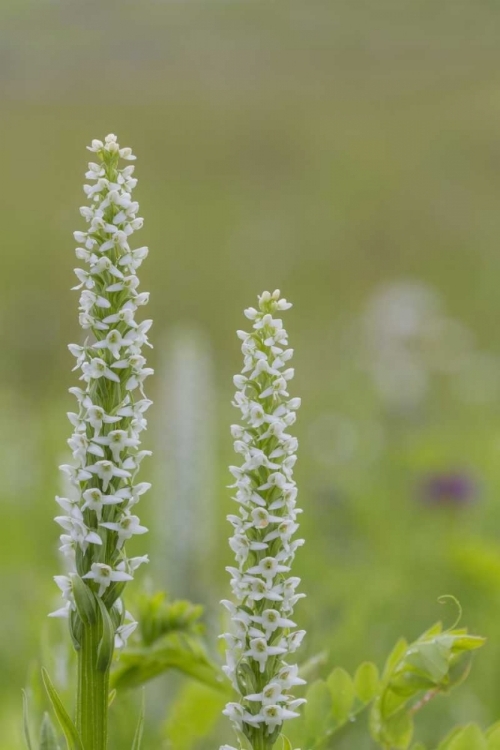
<point>93,690</point>
<point>261,743</point>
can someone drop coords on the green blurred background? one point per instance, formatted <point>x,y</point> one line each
<point>345,151</point>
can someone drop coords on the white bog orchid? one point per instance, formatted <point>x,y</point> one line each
<point>263,633</point>
<point>110,402</point>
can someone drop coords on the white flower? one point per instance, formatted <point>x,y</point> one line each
<point>134,562</point>
<point>95,500</point>
<point>113,342</point>
<point>96,416</point>
<point>78,532</point>
<point>106,470</point>
<point>275,715</point>
<point>268,568</point>
<point>132,494</point>
<point>238,715</point>
<point>63,612</point>
<point>271,620</point>
<point>124,631</point>
<point>117,441</point>
<point>64,583</point>
<point>95,146</point>
<point>288,676</point>
<point>272,693</point>
<point>126,527</point>
<point>97,368</point>
<point>104,575</point>
<point>260,651</point>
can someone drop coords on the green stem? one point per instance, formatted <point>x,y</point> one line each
<point>261,742</point>
<point>93,690</point>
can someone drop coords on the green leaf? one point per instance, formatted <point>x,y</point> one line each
<point>76,629</point>
<point>366,681</point>
<point>466,642</point>
<point>405,685</point>
<point>436,629</point>
<point>445,744</point>
<point>342,694</point>
<point>470,738</point>
<point>84,600</point>
<point>72,737</point>
<point>418,746</point>
<point>430,659</point>
<point>173,651</point>
<point>48,736</point>
<point>136,745</point>
<point>459,670</point>
<point>395,657</point>
<point>107,642</point>
<point>26,728</point>
<point>287,745</point>
<point>159,617</point>
<point>318,708</point>
<point>398,731</point>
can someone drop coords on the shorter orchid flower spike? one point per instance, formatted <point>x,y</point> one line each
<point>263,633</point>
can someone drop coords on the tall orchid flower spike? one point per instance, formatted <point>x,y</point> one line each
<point>264,635</point>
<point>108,421</point>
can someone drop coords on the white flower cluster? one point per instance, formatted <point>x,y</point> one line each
<point>265,592</point>
<point>98,516</point>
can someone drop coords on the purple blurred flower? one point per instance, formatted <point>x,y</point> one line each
<point>456,488</point>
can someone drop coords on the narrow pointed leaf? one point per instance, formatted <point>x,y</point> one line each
<point>26,728</point>
<point>136,745</point>
<point>73,739</point>
<point>394,657</point>
<point>244,742</point>
<point>107,642</point>
<point>48,736</point>
<point>84,600</point>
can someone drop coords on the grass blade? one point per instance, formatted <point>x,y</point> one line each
<point>26,728</point>
<point>136,745</point>
<point>72,737</point>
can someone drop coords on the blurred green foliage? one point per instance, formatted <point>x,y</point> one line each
<point>413,675</point>
<point>323,147</point>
